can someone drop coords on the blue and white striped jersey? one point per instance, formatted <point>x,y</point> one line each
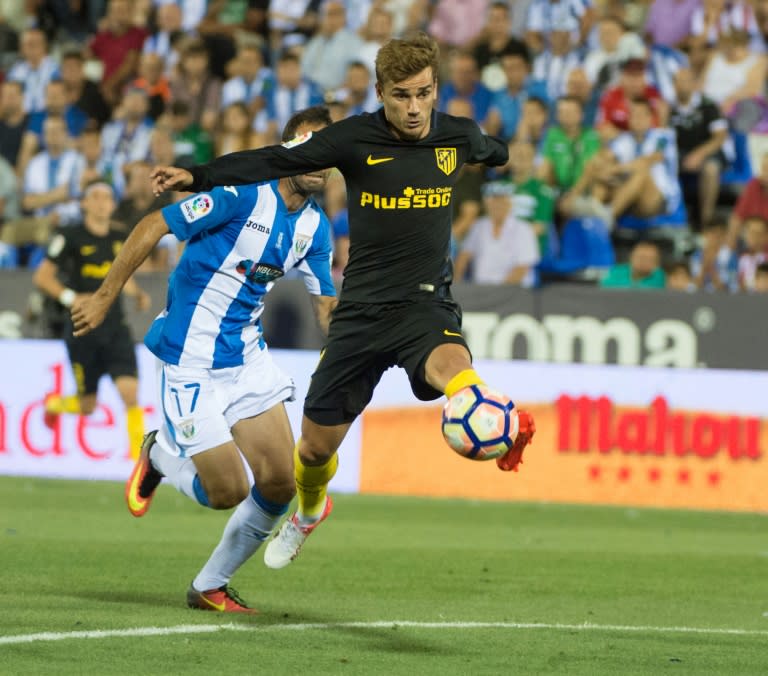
<point>240,240</point>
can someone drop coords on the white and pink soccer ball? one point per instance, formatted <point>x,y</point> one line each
<point>480,423</point>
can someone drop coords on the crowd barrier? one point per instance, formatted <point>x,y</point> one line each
<point>563,323</point>
<point>618,435</point>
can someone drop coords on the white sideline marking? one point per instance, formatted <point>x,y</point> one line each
<point>384,624</point>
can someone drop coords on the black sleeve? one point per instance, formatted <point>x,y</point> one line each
<point>60,249</point>
<point>313,151</point>
<point>484,149</point>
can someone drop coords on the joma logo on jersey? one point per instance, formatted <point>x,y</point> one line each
<point>258,227</point>
<point>446,160</point>
<point>412,198</point>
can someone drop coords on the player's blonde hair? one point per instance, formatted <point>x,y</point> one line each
<point>400,59</point>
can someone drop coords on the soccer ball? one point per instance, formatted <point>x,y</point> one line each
<point>480,423</point>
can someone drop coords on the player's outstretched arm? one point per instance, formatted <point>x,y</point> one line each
<point>88,313</point>
<point>169,178</point>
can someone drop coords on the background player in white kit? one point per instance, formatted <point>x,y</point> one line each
<point>222,396</point>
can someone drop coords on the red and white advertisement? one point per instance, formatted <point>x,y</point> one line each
<point>605,434</point>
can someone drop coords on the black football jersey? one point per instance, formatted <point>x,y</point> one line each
<point>399,194</point>
<point>84,259</point>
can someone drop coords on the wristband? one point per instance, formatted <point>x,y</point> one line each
<point>67,297</point>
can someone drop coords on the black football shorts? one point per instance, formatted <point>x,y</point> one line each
<point>108,350</point>
<point>366,339</point>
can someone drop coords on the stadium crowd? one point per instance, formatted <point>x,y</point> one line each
<point>632,126</point>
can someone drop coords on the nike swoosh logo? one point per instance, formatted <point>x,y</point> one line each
<point>221,607</point>
<point>451,333</point>
<point>379,160</point>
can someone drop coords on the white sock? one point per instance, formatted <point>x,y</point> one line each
<point>181,472</point>
<point>250,524</point>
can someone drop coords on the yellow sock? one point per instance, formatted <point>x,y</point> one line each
<point>68,404</point>
<point>312,484</point>
<point>461,380</point>
<point>135,423</point>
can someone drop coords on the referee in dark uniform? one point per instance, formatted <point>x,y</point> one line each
<point>400,164</point>
<point>77,260</point>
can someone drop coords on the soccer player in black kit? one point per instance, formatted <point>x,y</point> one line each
<point>400,165</point>
<point>78,259</point>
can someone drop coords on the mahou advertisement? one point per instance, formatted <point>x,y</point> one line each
<point>605,435</point>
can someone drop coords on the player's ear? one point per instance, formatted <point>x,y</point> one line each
<point>379,92</point>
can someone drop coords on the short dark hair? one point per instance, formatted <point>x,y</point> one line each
<point>676,265</point>
<point>643,101</point>
<point>523,54</point>
<point>180,107</point>
<point>757,218</point>
<point>73,53</point>
<point>316,115</point>
<point>714,224</point>
<point>540,102</point>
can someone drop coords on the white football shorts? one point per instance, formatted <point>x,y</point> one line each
<point>200,406</point>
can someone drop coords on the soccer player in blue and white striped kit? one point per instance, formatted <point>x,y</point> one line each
<point>222,396</point>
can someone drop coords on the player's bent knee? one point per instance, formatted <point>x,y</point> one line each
<point>315,453</point>
<point>278,489</point>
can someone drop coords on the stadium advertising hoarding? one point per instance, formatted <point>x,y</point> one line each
<point>606,435</point>
<point>96,447</point>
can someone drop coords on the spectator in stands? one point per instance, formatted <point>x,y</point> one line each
<point>464,82</point>
<point>643,271</point>
<point>679,278</point>
<point>234,132</point>
<point>57,103</point>
<point>761,278</point>
<point>544,16</point>
<point>9,192</point>
<point>753,202</point>
<point>701,131</point>
<point>117,45</point>
<point>457,23</point>
<point>82,92</point>
<point>161,147</point>
<point>568,146</point>
<point>35,69</point>
<point>358,95</point>
<point>554,63</point>
<point>577,86</point>
<point>164,41</point>
<point>507,106</point>
<point>91,167</point>
<point>755,251</point>
<point>191,143</point>
<point>291,22</point>
<point>495,40</point>
<point>713,19</point>
<point>138,198</point>
<point>669,22</point>
<point>249,82</point>
<point>13,120</point>
<point>50,179</point>
<point>714,265</point>
<point>153,81</point>
<point>328,53</point>
<point>292,92</point>
<point>615,102</point>
<point>533,200</point>
<point>126,139</point>
<point>734,72</point>
<point>642,182</point>
<point>616,45</point>
<point>377,32</point>
<point>501,248</point>
<point>194,85</point>
<point>534,123</point>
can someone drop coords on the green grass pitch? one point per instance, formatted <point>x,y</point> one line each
<point>609,591</point>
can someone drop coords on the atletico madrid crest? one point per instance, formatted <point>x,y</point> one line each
<point>446,159</point>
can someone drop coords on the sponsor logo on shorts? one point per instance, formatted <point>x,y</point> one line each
<point>196,207</point>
